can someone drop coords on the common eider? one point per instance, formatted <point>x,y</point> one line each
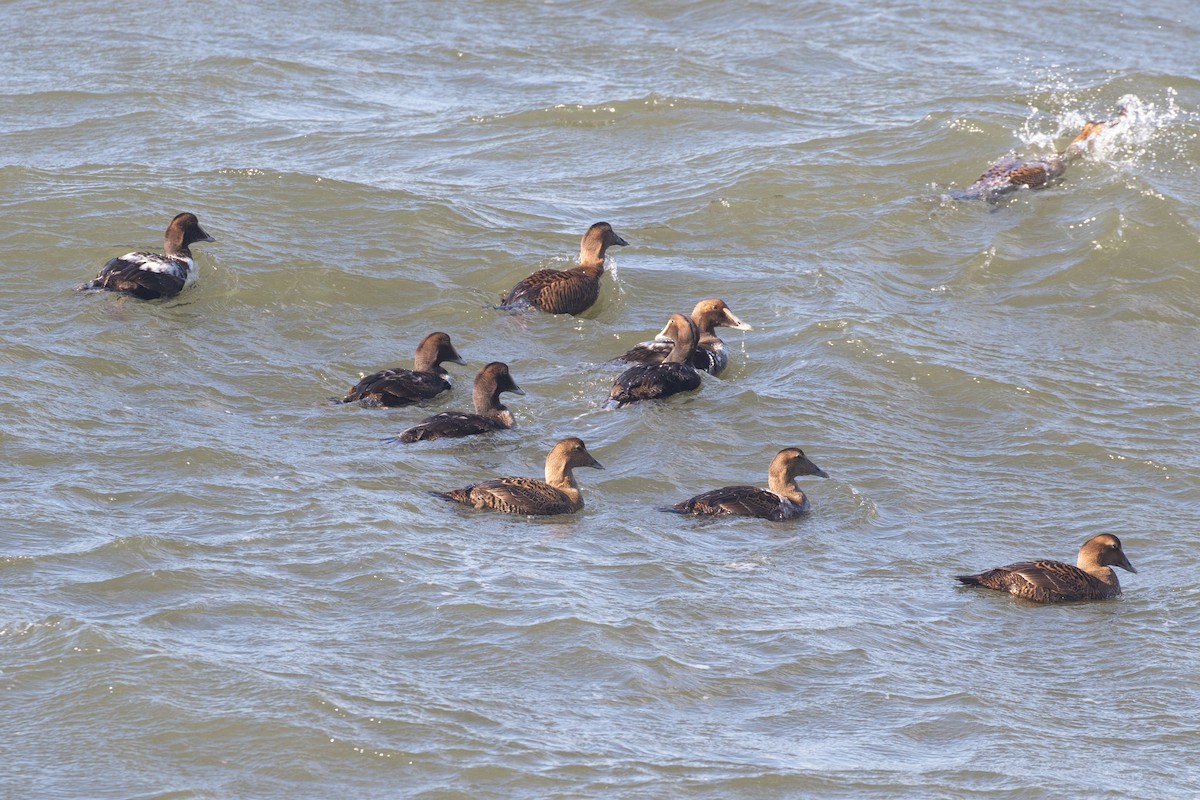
<point>1012,172</point>
<point>150,276</point>
<point>652,381</point>
<point>1049,581</point>
<point>781,500</point>
<point>490,414</point>
<point>557,494</point>
<point>710,355</point>
<point>400,387</point>
<point>567,291</point>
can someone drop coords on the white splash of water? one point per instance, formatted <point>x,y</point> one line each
<point>1143,130</point>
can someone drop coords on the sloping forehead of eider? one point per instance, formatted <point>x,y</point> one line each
<point>494,369</point>
<point>792,462</point>
<point>570,444</point>
<point>1102,541</point>
<point>712,307</point>
<point>435,341</point>
<point>495,374</point>
<point>787,458</point>
<point>679,326</point>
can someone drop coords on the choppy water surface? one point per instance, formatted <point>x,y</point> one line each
<point>213,583</point>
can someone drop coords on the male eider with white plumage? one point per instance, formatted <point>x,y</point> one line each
<point>567,291</point>
<point>709,356</point>
<point>401,387</point>
<point>557,494</point>
<point>1047,581</point>
<point>490,414</point>
<point>782,499</point>
<point>150,276</point>
<point>653,381</point>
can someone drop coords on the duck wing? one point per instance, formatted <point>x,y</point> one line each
<point>652,381</point>
<point>556,291</point>
<point>449,424</point>
<point>1034,174</point>
<point>1043,581</point>
<point>396,387</point>
<point>147,276</point>
<point>519,496</point>
<point>645,353</point>
<point>743,501</point>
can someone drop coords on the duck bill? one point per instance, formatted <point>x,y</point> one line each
<point>735,323</point>
<point>619,240</point>
<point>516,390</point>
<point>204,234</point>
<point>807,467</point>
<point>595,464</point>
<point>1124,564</point>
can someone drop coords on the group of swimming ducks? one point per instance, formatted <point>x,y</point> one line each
<point>665,366</point>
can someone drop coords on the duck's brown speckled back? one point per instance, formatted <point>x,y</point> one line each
<point>557,494</point>
<point>1046,581</point>
<point>1011,172</point>
<point>568,291</point>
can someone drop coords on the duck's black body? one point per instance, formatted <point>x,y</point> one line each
<point>781,500</point>
<point>400,387</point>
<point>151,276</point>
<point>655,381</point>
<point>490,414</point>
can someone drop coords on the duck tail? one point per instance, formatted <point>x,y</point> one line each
<point>675,509</point>
<point>455,496</point>
<point>969,580</point>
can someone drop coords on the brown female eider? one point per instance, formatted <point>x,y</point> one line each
<point>710,355</point>
<point>400,387</point>
<point>652,381</point>
<point>149,276</point>
<point>567,291</point>
<point>1012,172</point>
<point>558,494</point>
<point>782,499</point>
<point>490,414</point>
<point>1048,581</point>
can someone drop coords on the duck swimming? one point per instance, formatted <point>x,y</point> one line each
<point>781,500</point>
<point>150,276</point>
<point>1048,581</point>
<point>1013,172</point>
<point>567,291</point>
<point>709,356</point>
<point>400,387</point>
<point>557,494</point>
<point>652,381</point>
<point>490,414</point>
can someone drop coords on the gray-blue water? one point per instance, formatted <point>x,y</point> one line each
<point>215,584</point>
